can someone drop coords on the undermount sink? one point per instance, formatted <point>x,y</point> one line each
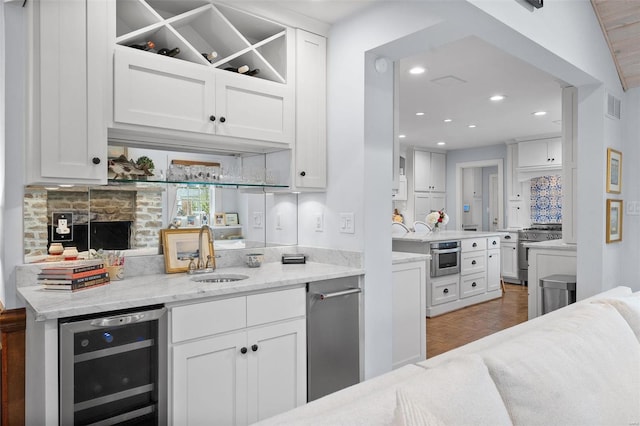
<point>220,278</point>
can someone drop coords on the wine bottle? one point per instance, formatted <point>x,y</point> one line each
<point>147,46</point>
<point>253,72</point>
<point>171,53</point>
<point>210,56</point>
<point>241,70</point>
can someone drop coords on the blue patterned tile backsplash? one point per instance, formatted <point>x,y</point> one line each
<point>546,199</point>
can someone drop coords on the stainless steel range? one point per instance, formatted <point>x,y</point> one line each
<point>537,232</point>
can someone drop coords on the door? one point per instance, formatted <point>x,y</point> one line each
<point>277,367</point>
<point>493,202</point>
<point>158,91</point>
<point>493,269</point>
<point>210,381</point>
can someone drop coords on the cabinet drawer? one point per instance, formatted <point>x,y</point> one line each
<point>474,244</point>
<point>473,262</point>
<point>275,306</point>
<point>493,242</point>
<point>472,285</point>
<point>204,319</point>
<point>444,290</point>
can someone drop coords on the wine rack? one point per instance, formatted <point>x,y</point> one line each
<point>200,27</point>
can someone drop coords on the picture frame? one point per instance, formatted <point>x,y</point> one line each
<point>218,219</point>
<point>181,245</point>
<point>615,212</point>
<point>614,171</point>
<point>231,219</point>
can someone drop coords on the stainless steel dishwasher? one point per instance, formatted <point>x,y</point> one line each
<point>333,336</point>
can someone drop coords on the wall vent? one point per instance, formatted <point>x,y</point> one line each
<point>613,106</point>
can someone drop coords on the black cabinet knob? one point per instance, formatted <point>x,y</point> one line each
<point>473,284</point>
<point>494,243</point>
<point>212,118</point>
<point>474,245</point>
<point>254,347</point>
<point>95,160</point>
<point>243,350</point>
<point>445,291</point>
<point>473,262</point>
<point>222,119</point>
<point>303,173</point>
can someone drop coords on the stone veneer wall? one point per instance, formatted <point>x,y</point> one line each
<point>143,207</point>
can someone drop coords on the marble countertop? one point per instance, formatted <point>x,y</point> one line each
<point>551,244</point>
<point>425,237</point>
<point>167,288</point>
<point>398,257</point>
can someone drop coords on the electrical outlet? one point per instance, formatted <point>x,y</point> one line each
<point>347,225</point>
<point>318,224</point>
<point>258,219</point>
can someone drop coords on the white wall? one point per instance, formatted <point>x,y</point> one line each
<point>2,144</point>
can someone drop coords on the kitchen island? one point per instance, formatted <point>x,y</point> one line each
<point>472,274</point>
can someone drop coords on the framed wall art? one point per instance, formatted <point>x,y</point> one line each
<point>231,219</point>
<point>614,171</point>
<point>181,245</point>
<point>218,219</point>
<point>614,221</point>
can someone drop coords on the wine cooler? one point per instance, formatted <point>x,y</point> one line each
<point>110,368</point>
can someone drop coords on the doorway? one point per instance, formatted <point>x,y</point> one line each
<point>494,217</point>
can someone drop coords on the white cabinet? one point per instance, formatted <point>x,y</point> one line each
<point>493,269</point>
<point>540,153</point>
<point>69,60</point>
<point>425,203</point>
<point>473,285</point>
<point>516,214</point>
<point>514,186</point>
<point>471,183</point>
<point>310,160</point>
<point>443,289</point>
<point>509,261</point>
<point>429,171</point>
<point>239,360</point>
<point>401,194</point>
<point>409,313</point>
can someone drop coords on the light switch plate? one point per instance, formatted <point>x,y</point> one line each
<point>347,225</point>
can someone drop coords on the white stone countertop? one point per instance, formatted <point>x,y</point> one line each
<point>167,288</point>
<point>425,237</point>
<point>398,257</point>
<point>551,244</point>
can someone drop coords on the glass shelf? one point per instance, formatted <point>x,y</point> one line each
<point>115,182</point>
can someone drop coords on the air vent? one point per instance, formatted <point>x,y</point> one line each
<point>613,106</point>
<point>448,81</point>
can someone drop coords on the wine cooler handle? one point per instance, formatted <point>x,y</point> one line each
<point>222,119</point>
<point>212,118</point>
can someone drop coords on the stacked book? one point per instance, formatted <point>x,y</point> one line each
<point>73,277</point>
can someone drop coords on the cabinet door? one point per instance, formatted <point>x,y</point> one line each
<point>210,381</point>
<point>71,74</point>
<point>158,91</point>
<point>409,313</point>
<point>253,108</point>
<point>437,202</point>
<point>533,153</point>
<point>516,214</point>
<point>421,206</point>
<point>438,172</point>
<point>509,260</point>
<point>277,369</point>
<point>554,151</point>
<point>493,269</point>
<point>421,171</point>
<point>310,169</point>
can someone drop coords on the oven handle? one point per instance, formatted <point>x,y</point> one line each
<point>128,319</point>
<point>439,251</point>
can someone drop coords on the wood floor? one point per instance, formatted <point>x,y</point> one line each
<point>453,329</point>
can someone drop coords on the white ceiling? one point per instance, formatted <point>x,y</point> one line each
<point>485,70</point>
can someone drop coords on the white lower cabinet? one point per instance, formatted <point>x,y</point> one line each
<point>493,269</point>
<point>509,260</point>
<point>444,289</point>
<point>409,313</point>
<point>249,366</point>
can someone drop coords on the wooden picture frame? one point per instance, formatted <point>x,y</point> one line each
<point>218,219</point>
<point>231,219</point>
<point>615,212</point>
<point>180,245</point>
<point>614,171</point>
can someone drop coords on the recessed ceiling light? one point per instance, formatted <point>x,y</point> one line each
<point>441,143</point>
<point>471,126</point>
<point>539,113</point>
<point>497,98</point>
<point>417,70</point>
<point>402,136</point>
<point>419,113</point>
<point>447,120</point>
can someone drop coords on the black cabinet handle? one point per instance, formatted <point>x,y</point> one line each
<point>222,119</point>
<point>507,237</point>
<point>494,242</point>
<point>514,248</point>
<point>490,256</point>
<point>473,262</point>
<point>95,160</point>
<point>473,284</point>
<point>474,245</point>
<point>303,173</point>
<point>254,347</point>
<point>212,118</point>
<point>243,350</point>
<point>445,291</point>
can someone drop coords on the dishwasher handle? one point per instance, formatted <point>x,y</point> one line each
<point>323,296</point>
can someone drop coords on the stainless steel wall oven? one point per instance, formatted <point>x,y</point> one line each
<point>110,368</point>
<point>445,258</point>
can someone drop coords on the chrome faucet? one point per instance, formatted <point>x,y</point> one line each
<point>203,266</point>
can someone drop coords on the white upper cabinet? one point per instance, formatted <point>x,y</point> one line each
<point>195,88</point>
<point>67,136</point>
<point>429,171</point>
<point>540,153</point>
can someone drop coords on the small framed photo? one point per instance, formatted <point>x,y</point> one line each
<point>218,219</point>
<point>231,219</point>
<point>614,221</point>
<point>614,171</point>
<point>181,245</point>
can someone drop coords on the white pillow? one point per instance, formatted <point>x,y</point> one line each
<point>582,369</point>
<point>408,413</point>
<point>458,392</point>
<point>628,307</point>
